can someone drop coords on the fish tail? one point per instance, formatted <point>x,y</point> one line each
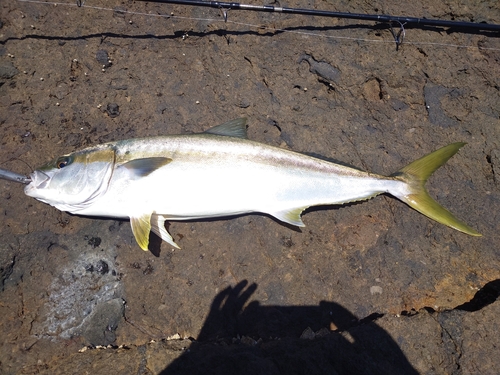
<point>415,176</point>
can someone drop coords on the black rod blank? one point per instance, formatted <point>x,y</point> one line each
<point>323,13</point>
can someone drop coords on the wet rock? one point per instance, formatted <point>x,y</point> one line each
<point>8,70</point>
<point>73,296</point>
<point>308,334</point>
<point>118,84</point>
<point>148,270</point>
<point>480,340</point>
<point>452,338</point>
<point>73,139</point>
<point>94,241</point>
<point>246,340</point>
<point>102,267</point>
<point>398,105</point>
<point>119,12</point>
<point>372,90</point>
<point>493,159</point>
<point>113,110</point>
<point>244,103</point>
<point>433,95</point>
<point>485,296</point>
<point>102,58</point>
<point>6,270</point>
<point>100,326</point>
<point>61,91</point>
<point>325,72</point>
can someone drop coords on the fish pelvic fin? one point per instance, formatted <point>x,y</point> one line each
<point>141,226</point>
<point>415,175</point>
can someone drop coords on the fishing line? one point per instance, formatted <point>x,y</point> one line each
<point>398,37</point>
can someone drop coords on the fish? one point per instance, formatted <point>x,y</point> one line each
<point>220,173</point>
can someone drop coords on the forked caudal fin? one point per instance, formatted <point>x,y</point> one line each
<point>416,175</point>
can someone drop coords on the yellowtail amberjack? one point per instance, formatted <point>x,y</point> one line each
<point>219,173</point>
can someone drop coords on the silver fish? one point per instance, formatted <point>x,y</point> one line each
<point>219,173</point>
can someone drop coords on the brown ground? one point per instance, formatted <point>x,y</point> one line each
<point>368,288</point>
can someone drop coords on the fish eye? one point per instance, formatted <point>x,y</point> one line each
<point>62,162</point>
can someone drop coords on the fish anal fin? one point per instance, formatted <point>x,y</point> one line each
<point>141,226</point>
<point>234,128</point>
<point>158,228</point>
<point>145,166</point>
<point>291,216</point>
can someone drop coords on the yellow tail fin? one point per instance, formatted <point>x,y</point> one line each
<point>416,175</point>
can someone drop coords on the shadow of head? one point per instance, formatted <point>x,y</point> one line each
<point>241,336</point>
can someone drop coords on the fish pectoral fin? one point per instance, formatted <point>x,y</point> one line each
<point>158,228</point>
<point>145,166</point>
<point>234,128</point>
<point>291,216</point>
<point>141,226</point>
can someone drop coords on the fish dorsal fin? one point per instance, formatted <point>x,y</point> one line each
<point>145,166</point>
<point>290,216</point>
<point>234,128</point>
<point>141,226</point>
<point>158,228</point>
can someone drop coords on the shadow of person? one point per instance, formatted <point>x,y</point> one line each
<point>248,338</point>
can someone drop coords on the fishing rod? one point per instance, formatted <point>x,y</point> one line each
<point>12,176</point>
<point>225,6</point>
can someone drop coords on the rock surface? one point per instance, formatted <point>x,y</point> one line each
<point>369,288</point>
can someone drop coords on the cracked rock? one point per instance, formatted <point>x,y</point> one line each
<point>325,72</point>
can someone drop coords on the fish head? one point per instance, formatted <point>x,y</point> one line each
<point>72,182</point>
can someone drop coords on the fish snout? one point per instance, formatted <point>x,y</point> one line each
<point>39,180</point>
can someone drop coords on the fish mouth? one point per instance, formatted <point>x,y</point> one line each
<point>39,180</point>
